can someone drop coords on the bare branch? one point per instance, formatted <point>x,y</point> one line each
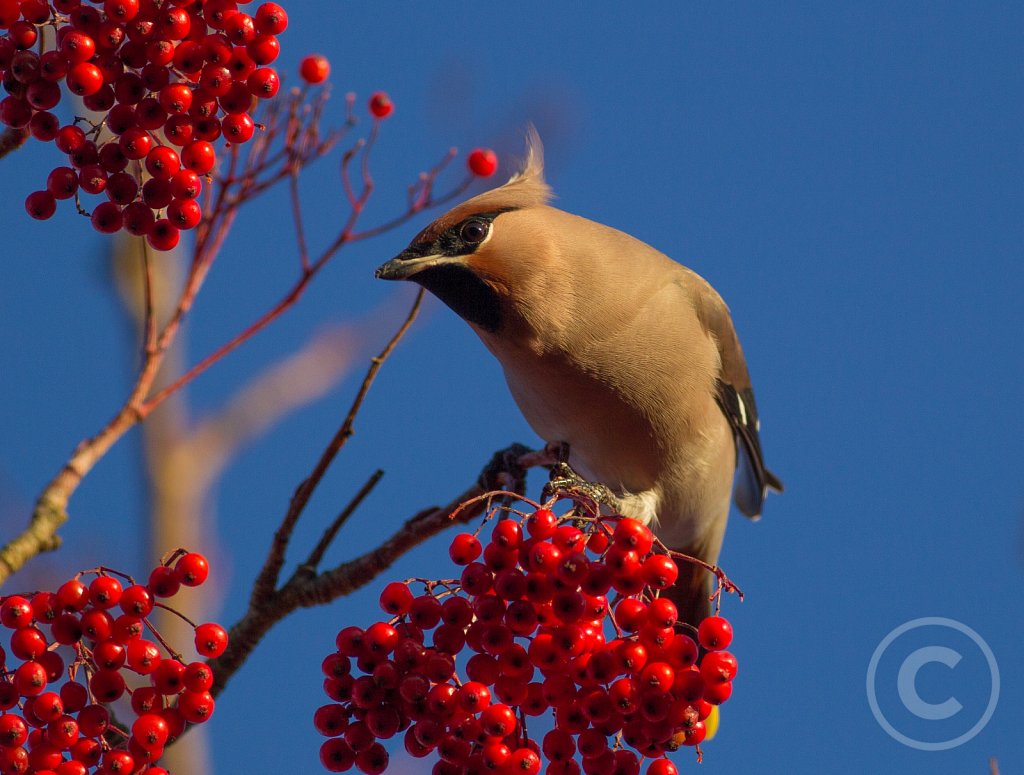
<point>268,577</point>
<point>303,590</point>
<point>313,561</point>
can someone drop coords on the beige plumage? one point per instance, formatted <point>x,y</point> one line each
<point>611,347</point>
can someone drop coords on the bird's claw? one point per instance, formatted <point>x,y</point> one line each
<point>564,479</point>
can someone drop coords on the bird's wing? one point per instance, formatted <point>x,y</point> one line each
<point>735,395</point>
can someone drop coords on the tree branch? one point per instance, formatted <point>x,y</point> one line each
<point>12,139</point>
<point>303,590</point>
<point>269,575</point>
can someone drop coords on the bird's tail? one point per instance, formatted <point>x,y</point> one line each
<point>692,593</point>
<point>711,723</point>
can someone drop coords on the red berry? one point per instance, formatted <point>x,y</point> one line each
<point>199,157</point>
<point>662,767</point>
<point>718,693</point>
<point>264,83</point>
<point>77,47</point>
<point>241,64</point>
<point>715,633</point>
<point>84,79</point>
<point>73,595</point>
<point>135,143</point>
<point>525,761</point>
<point>337,756</point>
<point>150,731</point>
<point>136,601</point>
<point>184,213</point>
<point>263,49</point>
<point>15,112</point>
<point>107,218</point>
<point>662,612</point>
<point>718,667</point>
<point>13,730</point>
<point>659,571</point>
<point>10,12</point>
<point>176,98</point>
<point>23,34</point>
<point>498,720</point>
<point>162,162</point>
<point>271,19</point>
<point>314,68</point>
<point>186,185</point>
<point>465,548</point>
<point>44,126</point>
<point>121,10</point>
<point>632,535</point>
<point>142,656</point>
<point>396,599</point>
<point>192,569</point>
<point>211,640</point>
<point>174,23</point>
<point>196,707</point>
<point>163,581</point>
<point>381,105</point>
<point>482,162</point>
<point>163,236</point>
<point>240,28</point>
<point>541,524</point>
<point>97,625</point>
<point>28,643</point>
<point>41,205</point>
<point>238,127</point>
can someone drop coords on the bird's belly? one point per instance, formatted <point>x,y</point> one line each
<point>610,441</point>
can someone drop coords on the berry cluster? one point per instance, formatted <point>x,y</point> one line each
<point>83,647</point>
<point>530,611</point>
<point>169,80</point>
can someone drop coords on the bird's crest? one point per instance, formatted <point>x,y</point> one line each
<point>529,183</point>
<point>526,188</point>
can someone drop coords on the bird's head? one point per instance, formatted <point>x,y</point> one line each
<point>481,252</point>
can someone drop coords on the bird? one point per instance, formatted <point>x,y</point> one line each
<point>612,349</point>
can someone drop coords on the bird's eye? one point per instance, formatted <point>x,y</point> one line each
<point>473,231</point>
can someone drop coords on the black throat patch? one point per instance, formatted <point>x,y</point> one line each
<point>464,292</point>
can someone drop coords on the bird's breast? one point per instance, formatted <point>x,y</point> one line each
<point>609,432</point>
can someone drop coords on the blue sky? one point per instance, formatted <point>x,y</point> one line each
<point>847,176</point>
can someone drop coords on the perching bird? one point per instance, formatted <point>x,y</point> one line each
<point>609,347</point>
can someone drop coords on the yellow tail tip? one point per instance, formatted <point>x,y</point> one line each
<point>711,723</point>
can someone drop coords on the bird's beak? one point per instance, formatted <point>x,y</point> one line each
<point>406,264</point>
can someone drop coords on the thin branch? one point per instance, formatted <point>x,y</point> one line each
<point>313,561</point>
<point>300,231</point>
<point>149,314</point>
<point>303,590</point>
<point>269,575</point>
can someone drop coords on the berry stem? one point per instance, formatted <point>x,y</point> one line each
<point>160,638</point>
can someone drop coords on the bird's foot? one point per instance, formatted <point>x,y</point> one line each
<point>564,479</point>
<point>550,455</point>
<point>506,470</point>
